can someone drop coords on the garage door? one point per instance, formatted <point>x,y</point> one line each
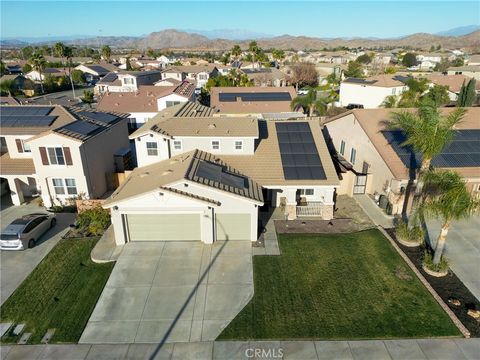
<point>233,226</point>
<point>154,227</point>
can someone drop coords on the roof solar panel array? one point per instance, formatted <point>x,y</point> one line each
<point>99,116</point>
<point>26,121</point>
<point>259,96</point>
<point>300,158</point>
<point>25,110</point>
<point>218,174</point>
<point>81,127</point>
<point>463,151</point>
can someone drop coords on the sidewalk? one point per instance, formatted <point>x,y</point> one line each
<point>374,212</point>
<point>430,349</point>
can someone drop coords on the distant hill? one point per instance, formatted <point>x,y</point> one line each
<point>459,31</point>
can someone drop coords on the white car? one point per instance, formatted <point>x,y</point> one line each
<point>24,232</point>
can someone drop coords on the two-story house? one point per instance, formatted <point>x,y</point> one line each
<point>58,152</point>
<point>127,81</point>
<point>94,72</point>
<point>199,74</point>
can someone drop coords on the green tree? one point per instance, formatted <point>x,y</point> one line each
<point>355,70</point>
<point>254,50</point>
<point>87,96</point>
<point>364,59</point>
<point>59,50</point>
<point>409,59</point>
<point>78,77</point>
<point>106,52</point>
<point>438,94</point>
<point>7,87</point>
<point>390,70</point>
<point>3,68</point>
<point>391,101</point>
<point>447,198</point>
<point>236,51</point>
<point>278,54</point>
<point>311,102</point>
<point>427,132</point>
<point>27,52</point>
<point>128,65</point>
<point>467,94</point>
<point>26,68</point>
<point>38,64</point>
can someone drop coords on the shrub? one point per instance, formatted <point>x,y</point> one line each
<point>94,221</point>
<point>404,233</point>
<point>442,266</point>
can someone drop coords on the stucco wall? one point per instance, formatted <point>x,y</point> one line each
<point>369,96</point>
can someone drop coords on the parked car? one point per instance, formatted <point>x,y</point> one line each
<point>24,232</point>
<point>354,106</point>
<point>302,92</point>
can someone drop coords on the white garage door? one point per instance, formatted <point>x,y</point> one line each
<point>168,227</point>
<point>233,226</point>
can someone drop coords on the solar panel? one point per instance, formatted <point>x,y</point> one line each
<point>260,96</point>
<point>26,121</point>
<point>25,110</point>
<point>463,151</point>
<point>300,159</point>
<point>110,77</point>
<point>219,174</point>
<point>81,127</point>
<point>99,116</point>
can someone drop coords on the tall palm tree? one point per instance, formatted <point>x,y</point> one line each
<point>106,52</point>
<point>68,54</point>
<point>236,51</point>
<point>38,64</point>
<point>391,101</point>
<point>447,198</point>
<point>254,50</point>
<point>59,50</point>
<point>311,103</point>
<point>427,132</point>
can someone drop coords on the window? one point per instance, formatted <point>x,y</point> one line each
<point>365,167</point>
<point>58,186</point>
<point>215,144</point>
<point>71,186</point>
<point>128,81</point>
<point>3,141</point>
<point>238,145</point>
<point>394,91</point>
<point>56,156</point>
<point>172,103</point>
<point>26,147</point>
<point>342,147</point>
<point>307,192</point>
<point>152,149</point>
<point>353,155</point>
<point>177,144</point>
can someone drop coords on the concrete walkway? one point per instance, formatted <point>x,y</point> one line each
<point>431,349</point>
<point>373,211</point>
<point>106,249</point>
<point>270,234</point>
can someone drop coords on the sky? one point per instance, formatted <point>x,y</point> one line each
<point>381,19</point>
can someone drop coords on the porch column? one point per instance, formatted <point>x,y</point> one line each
<point>328,204</point>
<point>291,205</point>
<point>16,192</point>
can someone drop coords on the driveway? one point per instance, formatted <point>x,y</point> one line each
<point>172,292</point>
<point>462,250</point>
<point>15,266</point>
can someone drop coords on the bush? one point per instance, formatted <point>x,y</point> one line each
<point>93,221</point>
<point>442,266</point>
<point>404,233</point>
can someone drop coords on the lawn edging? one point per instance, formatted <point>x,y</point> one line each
<point>424,281</point>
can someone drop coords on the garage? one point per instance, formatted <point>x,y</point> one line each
<point>233,226</point>
<point>163,227</point>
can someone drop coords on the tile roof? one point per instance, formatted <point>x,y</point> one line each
<point>472,68</point>
<point>379,80</point>
<point>110,79</point>
<point>16,166</point>
<point>193,109</point>
<point>8,100</point>
<point>454,82</point>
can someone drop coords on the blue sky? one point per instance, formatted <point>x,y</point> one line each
<point>309,18</point>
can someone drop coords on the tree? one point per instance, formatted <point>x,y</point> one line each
<point>467,94</point>
<point>427,132</point>
<point>59,50</point>
<point>38,64</point>
<point>236,51</point>
<point>27,52</point>
<point>26,68</point>
<point>3,68</point>
<point>254,50</point>
<point>106,52</point>
<point>278,54</point>
<point>87,96</point>
<point>78,77</point>
<point>364,59</point>
<point>391,101</point>
<point>128,66</point>
<point>311,102</point>
<point>390,70</point>
<point>355,70</point>
<point>447,198</point>
<point>438,94</point>
<point>7,87</point>
<point>409,59</point>
<point>304,74</point>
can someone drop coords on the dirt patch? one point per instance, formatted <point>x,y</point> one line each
<point>448,287</point>
<point>315,226</point>
<point>347,208</point>
<point>402,273</point>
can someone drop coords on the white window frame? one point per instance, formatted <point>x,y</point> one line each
<point>60,187</point>
<point>56,156</point>
<point>152,149</point>
<point>68,187</point>
<point>179,143</point>
<point>353,156</point>
<point>212,146</point>
<point>307,192</point>
<point>238,142</point>
<point>25,146</point>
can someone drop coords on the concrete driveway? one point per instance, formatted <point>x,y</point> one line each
<point>172,292</point>
<point>15,266</point>
<point>462,250</point>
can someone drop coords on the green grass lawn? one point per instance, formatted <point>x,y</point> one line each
<point>61,292</point>
<point>335,287</point>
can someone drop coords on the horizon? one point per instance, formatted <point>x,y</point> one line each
<point>76,21</point>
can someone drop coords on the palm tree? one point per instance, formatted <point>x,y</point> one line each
<point>446,197</point>
<point>59,50</point>
<point>68,53</point>
<point>106,52</point>
<point>236,51</point>
<point>254,49</point>
<point>310,102</point>
<point>391,101</point>
<point>38,63</point>
<point>427,132</point>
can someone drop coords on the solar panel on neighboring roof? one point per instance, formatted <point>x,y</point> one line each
<point>99,116</point>
<point>81,127</point>
<point>255,96</point>
<point>110,77</point>
<point>463,151</point>
<point>219,174</point>
<point>26,121</point>
<point>25,110</point>
<point>300,159</point>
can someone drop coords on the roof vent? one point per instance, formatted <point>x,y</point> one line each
<point>145,174</point>
<point>167,172</point>
<point>173,161</point>
<point>212,126</point>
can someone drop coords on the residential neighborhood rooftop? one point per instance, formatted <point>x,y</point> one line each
<point>453,82</point>
<point>379,80</point>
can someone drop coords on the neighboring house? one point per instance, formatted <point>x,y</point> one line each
<point>59,153</point>
<point>217,174</point>
<point>266,77</point>
<point>472,71</point>
<point>126,81</point>
<point>13,69</point>
<point>373,161</point>
<point>473,60</point>
<point>428,61</point>
<point>96,71</point>
<point>199,74</point>
<point>34,75</point>
<point>452,82</point>
<point>20,83</point>
<point>372,91</point>
<point>146,102</point>
<point>168,82</point>
<point>254,101</point>
<point>8,100</point>
<point>326,69</point>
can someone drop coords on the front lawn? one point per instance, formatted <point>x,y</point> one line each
<point>337,286</point>
<point>61,292</point>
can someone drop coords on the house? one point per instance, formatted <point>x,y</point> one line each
<point>96,71</point>
<point>146,102</point>
<point>126,81</point>
<point>211,175</point>
<point>255,101</point>
<point>372,91</point>
<point>13,69</point>
<point>20,83</point>
<point>34,75</point>
<point>473,60</point>
<point>326,69</point>
<point>372,160</point>
<point>266,77</point>
<point>168,82</point>
<point>58,152</point>
<point>8,100</point>
<point>472,71</point>
<point>452,82</point>
<point>429,60</point>
<point>199,74</point>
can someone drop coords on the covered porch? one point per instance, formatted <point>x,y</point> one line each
<point>18,179</point>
